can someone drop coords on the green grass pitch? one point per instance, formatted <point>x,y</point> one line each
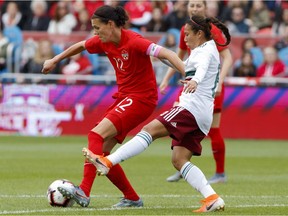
<point>257,178</point>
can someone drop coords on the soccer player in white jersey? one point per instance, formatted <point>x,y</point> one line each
<point>189,122</point>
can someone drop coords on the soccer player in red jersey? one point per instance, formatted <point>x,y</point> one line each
<point>136,99</point>
<point>196,7</point>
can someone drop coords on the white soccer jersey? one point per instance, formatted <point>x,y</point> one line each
<point>203,66</point>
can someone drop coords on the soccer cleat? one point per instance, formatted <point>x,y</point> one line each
<point>211,203</point>
<point>102,164</point>
<point>76,194</point>
<point>174,178</point>
<point>218,178</point>
<point>128,203</point>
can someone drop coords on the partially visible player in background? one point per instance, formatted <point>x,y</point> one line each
<point>217,142</point>
<point>136,99</point>
<point>189,122</point>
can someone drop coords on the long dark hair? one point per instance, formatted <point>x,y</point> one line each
<point>116,14</point>
<point>198,23</point>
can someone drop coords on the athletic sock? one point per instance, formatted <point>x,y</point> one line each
<point>195,177</point>
<point>218,148</point>
<point>133,147</point>
<point>95,143</point>
<point>117,176</point>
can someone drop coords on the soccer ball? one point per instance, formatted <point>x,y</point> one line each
<point>55,198</point>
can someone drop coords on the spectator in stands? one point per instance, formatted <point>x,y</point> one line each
<point>44,50</point>
<point>83,21</point>
<point>63,20</point>
<point>279,28</point>
<point>139,12</point>
<point>260,17</point>
<point>272,66</point>
<point>156,23</point>
<point>248,43</point>
<point>283,42</point>
<point>77,64</point>
<point>12,16</point>
<point>38,20</point>
<point>88,5</point>
<point>166,6</point>
<point>177,18</point>
<point>3,51</point>
<point>212,9</point>
<point>226,9</point>
<point>238,24</point>
<point>246,67</point>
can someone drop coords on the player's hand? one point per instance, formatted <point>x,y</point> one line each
<point>190,86</point>
<point>48,66</point>
<point>163,87</point>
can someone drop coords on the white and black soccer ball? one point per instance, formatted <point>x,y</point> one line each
<point>55,198</point>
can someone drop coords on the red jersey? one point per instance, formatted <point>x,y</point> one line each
<point>133,68</point>
<point>216,34</point>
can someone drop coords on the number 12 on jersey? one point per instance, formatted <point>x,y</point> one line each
<point>123,104</point>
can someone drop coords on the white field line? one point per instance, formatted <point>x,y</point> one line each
<point>113,209</point>
<point>27,196</point>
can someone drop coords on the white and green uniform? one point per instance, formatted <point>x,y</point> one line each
<point>203,66</point>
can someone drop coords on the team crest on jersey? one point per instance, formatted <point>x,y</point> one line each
<point>125,54</point>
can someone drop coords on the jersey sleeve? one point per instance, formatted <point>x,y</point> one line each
<point>203,59</point>
<point>142,45</point>
<point>93,45</point>
<point>218,37</point>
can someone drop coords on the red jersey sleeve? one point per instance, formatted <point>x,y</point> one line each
<point>141,44</point>
<point>94,45</point>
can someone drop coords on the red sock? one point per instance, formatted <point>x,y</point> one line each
<point>95,143</point>
<point>117,176</point>
<point>218,148</point>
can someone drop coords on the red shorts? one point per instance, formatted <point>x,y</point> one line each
<point>218,101</point>
<point>127,113</point>
<point>183,129</point>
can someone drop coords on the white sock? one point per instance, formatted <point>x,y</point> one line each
<point>195,177</point>
<point>133,147</point>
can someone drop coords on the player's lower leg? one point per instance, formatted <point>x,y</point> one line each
<point>195,177</point>
<point>218,148</point>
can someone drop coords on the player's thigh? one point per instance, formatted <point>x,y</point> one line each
<point>128,114</point>
<point>156,129</point>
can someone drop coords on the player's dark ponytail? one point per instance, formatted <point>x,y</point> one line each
<point>201,23</point>
<point>116,14</point>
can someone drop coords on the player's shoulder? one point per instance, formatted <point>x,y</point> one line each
<point>131,34</point>
<point>207,45</point>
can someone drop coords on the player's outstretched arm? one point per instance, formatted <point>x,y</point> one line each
<point>170,72</point>
<point>173,59</point>
<point>50,64</point>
